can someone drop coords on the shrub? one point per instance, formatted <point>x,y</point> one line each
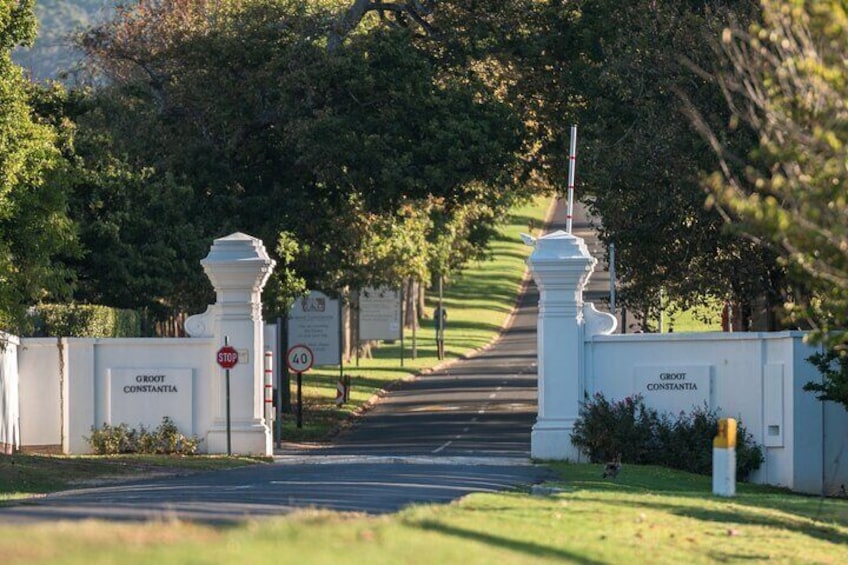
<point>640,435</point>
<point>607,429</point>
<point>165,439</point>
<point>113,439</point>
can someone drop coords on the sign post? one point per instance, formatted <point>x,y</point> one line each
<point>299,359</point>
<point>227,358</point>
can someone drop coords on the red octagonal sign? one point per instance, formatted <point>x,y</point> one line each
<point>227,357</point>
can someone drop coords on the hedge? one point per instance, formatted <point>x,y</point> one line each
<point>86,320</point>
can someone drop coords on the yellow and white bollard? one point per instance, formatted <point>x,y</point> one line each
<point>724,458</point>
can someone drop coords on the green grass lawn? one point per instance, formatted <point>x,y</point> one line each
<point>25,475</point>
<point>706,318</point>
<point>478,303</point>
<point>646,515</point>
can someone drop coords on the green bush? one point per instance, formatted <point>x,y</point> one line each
<point>607,429</point>
<point>86,320</point>
<point>165,439</point>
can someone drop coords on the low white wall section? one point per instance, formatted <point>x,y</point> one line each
<point>754,377</point>
<point>9,395</point>
<point>71,385</point>
<point>43,376</point>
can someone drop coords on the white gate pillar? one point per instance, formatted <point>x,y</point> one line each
<point>238,267</point>
<point>561,266</point>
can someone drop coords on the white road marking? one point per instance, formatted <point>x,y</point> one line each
<point>494,394</point>
<point>441,447</point>
<point>394,460</point>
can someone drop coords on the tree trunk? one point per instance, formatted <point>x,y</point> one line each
<point>346,23</point>
<point>422,307</point>
<point>410,308</point>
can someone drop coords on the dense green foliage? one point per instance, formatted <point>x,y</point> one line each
<point>627,74</point>
<point>642,159</point>
<point>786,79</point>
<point>165,439</point>
<point>85,320</point>
<point>140,242</point>
<point>33,225</point>
<point>355,155</point>
<point>833,366</point>
<point>384,140</point>
<point>627,428</point>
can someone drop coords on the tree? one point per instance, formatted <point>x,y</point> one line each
<point>624,73</point>
<point>642,161</point>
<point>33,225</point>
<point>786,80</point>
<point>834,369</point>
<point>139,241</point>
<point>244,105</point>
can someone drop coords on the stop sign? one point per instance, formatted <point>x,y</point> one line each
<point>227,357</point>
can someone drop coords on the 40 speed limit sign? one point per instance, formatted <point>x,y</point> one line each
<point>299,358</point>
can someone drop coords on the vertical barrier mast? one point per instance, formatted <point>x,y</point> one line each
<point>572,165</point>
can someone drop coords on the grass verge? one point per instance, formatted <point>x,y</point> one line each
<point>478,303</point>
<point>25,475</point>
<point>647,515</point>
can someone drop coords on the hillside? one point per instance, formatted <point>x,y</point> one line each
<point>53,55</point>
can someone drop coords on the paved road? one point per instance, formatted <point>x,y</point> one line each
<point>461,429</point>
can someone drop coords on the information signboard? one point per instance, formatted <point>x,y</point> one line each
<point>379,313</point>
<point>315,321</point>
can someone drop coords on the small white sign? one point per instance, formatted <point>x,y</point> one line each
<point>314,321</point>
<point>673,388</point>
<point>143,396</point>
<point>379,313</point>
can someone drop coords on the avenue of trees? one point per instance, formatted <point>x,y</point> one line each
<point>378,142</point>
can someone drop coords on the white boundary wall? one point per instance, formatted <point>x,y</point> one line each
<point>68,385</point>
<point>83,379</point>
<point>754,377</point>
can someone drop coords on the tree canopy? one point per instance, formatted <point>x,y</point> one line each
<point>375,141</point>
<point>33,225</point>
<point>266,131</point>
<point>786,79</point>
